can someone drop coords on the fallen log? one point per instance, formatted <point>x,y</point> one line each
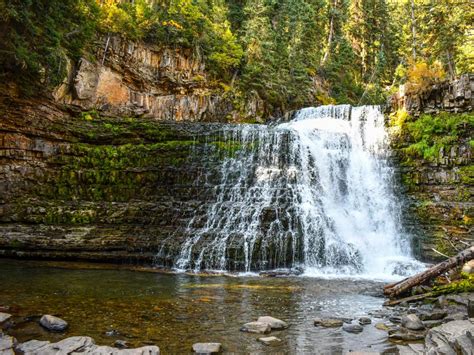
<point>394,290</point>
<point>409,299</point>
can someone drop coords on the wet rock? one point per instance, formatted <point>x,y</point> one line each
<point>256,327</point>
<point>470,309</point>
<point>456,316</point>
<point>395,319</point>
<point>121,344</point>
<point>352,328</point>
<point>328,322</point>
<point>107,350</point>
<point>32,347</point>
<point>432,323</point>
<point>412,322</point>
<point>270,340</point>
<point>273,322</point>
<point>282,273</point>
<point>7,344</point>
<point>4,317</point>
<point>112,333</point>
<point>456,337</point>
<point>382,326</point>
<point>435,315</point>
<point>53,323</point>
<point>407,335</point>
<point>207,348</point>
<point>364,320</point>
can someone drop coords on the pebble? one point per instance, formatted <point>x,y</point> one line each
<point>270,340</point>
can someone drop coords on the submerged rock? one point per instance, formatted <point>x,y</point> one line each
<point>328,322</point>
<point>53,323</point>
<point>256,327</point>
<point>270,340</point>
<point>207,348</point>
<point>121,344</point>
<point>364,320</point>
<point>412,322</point>
<point>4,317</point>
<point>273,322</point>
<point>352,328</point>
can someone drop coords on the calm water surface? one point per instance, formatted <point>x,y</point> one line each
<point>174,311</point>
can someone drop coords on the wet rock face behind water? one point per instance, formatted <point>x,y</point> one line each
<point>106,189</point>
<point>162,83</point>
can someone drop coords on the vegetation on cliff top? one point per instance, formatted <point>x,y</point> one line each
<point>289,52</point>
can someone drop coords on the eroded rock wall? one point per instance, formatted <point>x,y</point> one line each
<point>108,189</point>
<point>136,79</point>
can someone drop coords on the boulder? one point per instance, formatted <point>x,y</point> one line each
<point>328,322</point>
<point>256,327</point>
<point>207,348</point>
<point>364,320</point>
<point>69,345</point>
<point>270,340</point>
<point>407,335</point>
<point>273,322</point>
<point>4,317</point>
<point>456,337</point>
<point>435,315</point>
<point>412,322</point>
<point>53,323</point>
<point>352,328</point>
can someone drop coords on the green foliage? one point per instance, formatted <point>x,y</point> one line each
<point>37,37</point>
<point>432,133</point>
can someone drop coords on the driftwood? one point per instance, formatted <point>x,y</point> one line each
<point>409,299</point>
<point>398,288</point>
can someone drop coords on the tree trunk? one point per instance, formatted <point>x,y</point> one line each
<point>330,36</point>
<point>413,30</point>
<point>394,290</point>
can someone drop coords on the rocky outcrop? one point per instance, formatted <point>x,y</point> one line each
<point>106,189</point>
<point>137,79</point>
<point>450,96</point>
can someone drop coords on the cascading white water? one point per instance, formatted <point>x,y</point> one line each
<point>314,193</point>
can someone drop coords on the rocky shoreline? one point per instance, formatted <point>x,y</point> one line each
<point>441,325</point>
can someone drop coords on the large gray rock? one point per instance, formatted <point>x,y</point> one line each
<point>456,337</point>
<point>207,348</point>
<point>412,322</point>
<point>256,327</point>
<point>53,323</point>
<point>69,345</point>
<point>4,317</point>
<point>435,315</point>
<point>273,322</point>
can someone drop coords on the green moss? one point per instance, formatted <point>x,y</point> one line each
<point>466,174</point>
<point>464,284</point>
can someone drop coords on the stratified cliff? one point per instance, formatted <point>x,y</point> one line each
<point>433,142</point>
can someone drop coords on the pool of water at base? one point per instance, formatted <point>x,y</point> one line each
<point>174,311</point>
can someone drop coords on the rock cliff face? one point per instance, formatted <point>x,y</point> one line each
<point>135,79</point>
<point>106,189</point>
<point>449,96</point>
<point>440,190</point>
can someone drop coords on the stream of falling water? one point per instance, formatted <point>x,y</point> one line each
<point>315,194</point>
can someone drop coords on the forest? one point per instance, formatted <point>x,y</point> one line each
<point>290,52</point>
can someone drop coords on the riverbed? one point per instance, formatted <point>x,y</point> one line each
<point>175,310</point>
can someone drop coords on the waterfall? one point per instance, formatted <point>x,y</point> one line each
<point>315,193</point>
